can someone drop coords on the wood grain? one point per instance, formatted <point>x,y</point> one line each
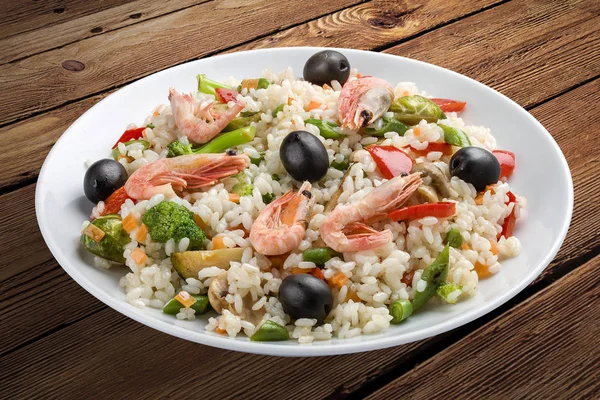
<point>558,115</point>
<point>557,328</point>
<point>98,63</point>
<point>524,90</point>
<point>18,16</point>
<point>64,32</point>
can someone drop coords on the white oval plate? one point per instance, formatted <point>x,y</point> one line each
<point>542,176</point>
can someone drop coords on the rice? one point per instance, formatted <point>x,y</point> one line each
<point>375,278</point>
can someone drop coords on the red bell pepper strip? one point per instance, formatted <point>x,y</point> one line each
<point>390,160</point>
<point>444,148</point>
<point>130,134</point>
<point>507,162</point>
<point>441,209</point>
<point>112,205</point>
<point>508,225</point>
<point>226,95</point>
<point>448,105</point>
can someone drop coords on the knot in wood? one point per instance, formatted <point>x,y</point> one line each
<point>73,65</point>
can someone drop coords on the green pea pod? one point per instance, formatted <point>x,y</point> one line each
<point>412,109</point>
<point>319,255</point>
<point>326,128</point>
<point>400,310</point>
<point>244,120</point>
<point>455,137</point>
<point>270,332</point>
<point>111,246</point>
<point>342,165</point>
<point>200,306</point>
<point>454,238</point>
<point>434,276</point>
<point>115,153</point>
<point>389,125</point>
<point>228,140</point>
<point>277,109</point>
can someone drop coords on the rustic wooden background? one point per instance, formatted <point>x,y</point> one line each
<point>59,57</point>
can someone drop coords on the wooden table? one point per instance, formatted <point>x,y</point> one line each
<point>58,58</point>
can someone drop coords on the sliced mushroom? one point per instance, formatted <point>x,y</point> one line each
<point>423,194</point>
<point>217,291</point>
<point>438,179</point>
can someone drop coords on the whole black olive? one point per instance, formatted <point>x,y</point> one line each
<point>304,157</point>
<point>476,166</point>
<point>102,178</point>
<point>305,296</point>
<point>326,66</point>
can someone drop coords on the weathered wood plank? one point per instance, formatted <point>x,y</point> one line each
<point>18,16</point>
<point>559,115</point>
<point>546,348</point>
<point>88,66</point>
<point>528,44</point>
<point>524,90</point>
<point>72,30</point>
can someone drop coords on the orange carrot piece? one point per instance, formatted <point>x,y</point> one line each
<point>289,102</point>
<point>220,331</point>
<point>312,105</point>
<point>142,233</point>
<point>199,222</point>
<point>494,248</point>
<point>417,131</point>
<point>327,87</point>
<point>129,223</point>
<point>483,271</point>
<point>138,256</point>
<point>249,84</point>
<point>94,233</point>
<point>297,270</point>
<point>185,299</point>
<point>318,273</point>
<point>218,242</point>
<point>234,198</point>
<point>338,280</point>
<point>465,246</point>
<point>352,295</point>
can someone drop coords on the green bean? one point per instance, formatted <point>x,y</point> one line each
<point>412,109</point>
<point>342,165</point>
<point>389,125</point>
<point>454,238</point>
<point>434,276</point>
<point>228,140</point>
<point>269,332</point>
<point>200,306</point>
<point>277,109</point>
<point>400,310</point>
<point>319,255</point>
<point>326,128</point>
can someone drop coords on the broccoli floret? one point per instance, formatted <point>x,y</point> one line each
<point>176,148</point>
<point>447,288</point>
<point>168,220</point>
<point>243,189</point>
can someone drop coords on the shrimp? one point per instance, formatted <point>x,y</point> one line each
<point>281,226</point>
<point>364,100</point>
<point>195,127</point>
<point>344,229</point>
<point>191,171</point>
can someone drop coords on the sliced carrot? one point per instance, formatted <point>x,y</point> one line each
<point>479,199</point>
<point>185,299</point>
<point>359,75</point>
<point>234,198</point>
<point>494,248</point>
<point>142,233</point>
<point>338,280</point>
<point>220,331</point>
<point>94,233</point>
<point>465,246</point>
<point>327,87</point>
<point>249,84</point>
<point>138,256</point>
<point>199,222</point>
<point>312,105</point>
<point>352,295</point>
<point>416,131</point>
<point>289,102</point>
<point>218,242</point>
<point>317,272</point>
<point>129,223</point>
<point>483,271</point>
<point>297,270</point>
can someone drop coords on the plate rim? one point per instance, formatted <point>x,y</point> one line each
<point>318,349</point>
